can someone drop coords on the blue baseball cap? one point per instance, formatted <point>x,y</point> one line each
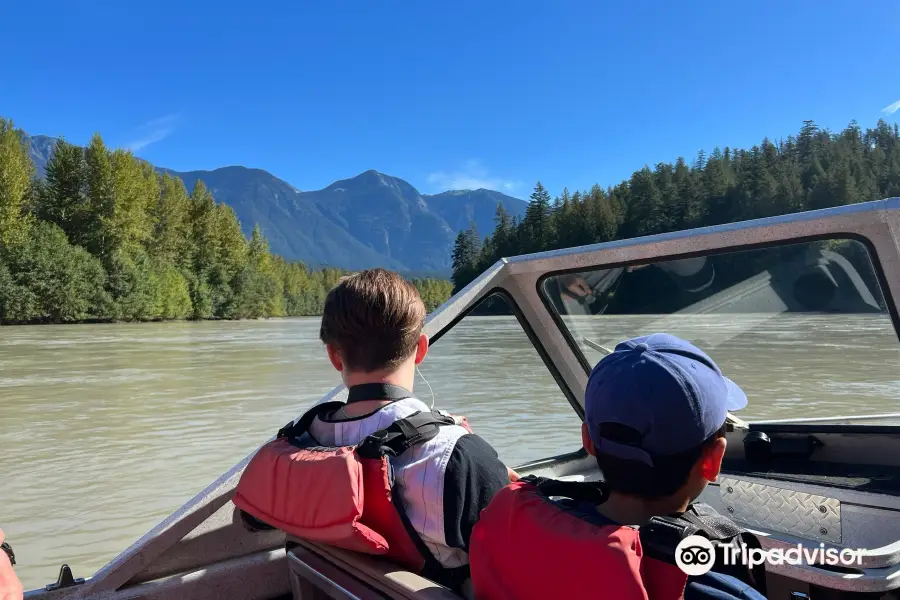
<point>666,394</point>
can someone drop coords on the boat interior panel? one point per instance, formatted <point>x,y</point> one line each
<point>382,577</point>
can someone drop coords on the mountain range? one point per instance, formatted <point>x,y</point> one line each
<point>371,220</point>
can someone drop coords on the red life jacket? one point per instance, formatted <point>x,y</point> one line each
<point>341,496</point>
<point>526,546</point>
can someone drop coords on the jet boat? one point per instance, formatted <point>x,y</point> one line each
<point>831,482</point>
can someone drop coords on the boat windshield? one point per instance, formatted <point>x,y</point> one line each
<point>799,327</point>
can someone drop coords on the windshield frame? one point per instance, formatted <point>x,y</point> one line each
<point>497,290</point>
<point>574,347</point>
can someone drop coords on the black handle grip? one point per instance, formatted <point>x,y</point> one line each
<point>9,552</point>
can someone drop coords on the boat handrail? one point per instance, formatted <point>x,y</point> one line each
<point>594,345</point>
<point>848,418</point>
<point>877,417</point>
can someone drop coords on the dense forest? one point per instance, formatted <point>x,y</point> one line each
<point>815,169</point>
<point>104,237</point>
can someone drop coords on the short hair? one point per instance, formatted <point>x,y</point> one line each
<point>667,475</point>
<point>374,319</point>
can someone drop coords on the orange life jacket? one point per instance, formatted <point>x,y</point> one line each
<point>341,496</point>
<point>526,546</point>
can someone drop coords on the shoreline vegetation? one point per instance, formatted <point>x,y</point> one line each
<point>814,169</point>
<point>105,238</point>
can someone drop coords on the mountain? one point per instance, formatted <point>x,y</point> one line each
<point>459,208</point>
<point>369,220</point>
<point>41,149</point>
<point>294,226</point>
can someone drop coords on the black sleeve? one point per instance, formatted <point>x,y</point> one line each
<point>474,474</point>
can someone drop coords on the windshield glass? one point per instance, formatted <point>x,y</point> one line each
<point>802,327</point>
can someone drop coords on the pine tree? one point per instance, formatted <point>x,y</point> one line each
<point>63,200</point>
<point>466,252</point>
<point>646,213</point>
<point>203,228</point>
<point>136,191</point>
<point>501,237</point>
<point>231,247</point>
<point>537,219</point>
<point>815,169</point>
<point>101,232</point>
<point>171,221</point>
<point>16,171</point>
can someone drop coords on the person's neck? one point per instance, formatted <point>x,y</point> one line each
<point>365,407</point>
<point>631,510</point>
<point>404,380</point>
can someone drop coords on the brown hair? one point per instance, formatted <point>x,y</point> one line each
<point>374,319</point>
<point>663,479</point>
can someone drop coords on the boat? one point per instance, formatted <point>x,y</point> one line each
<point>828,482</point>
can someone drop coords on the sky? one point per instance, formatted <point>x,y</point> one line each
<point>445,95</point>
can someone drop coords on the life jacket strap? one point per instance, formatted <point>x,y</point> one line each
<point>356,393</point>
<point>403,434</point>
<point>294,430</point>
<point>431,568</point>
<point>660,537</point>
<point>393,441</point>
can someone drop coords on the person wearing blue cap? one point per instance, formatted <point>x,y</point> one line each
<point>655,420</point>
<point>655,411</point>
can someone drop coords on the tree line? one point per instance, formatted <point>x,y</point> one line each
<point>812,170</point>
<point>105,237</point>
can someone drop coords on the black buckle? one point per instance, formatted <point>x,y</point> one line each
<point>371,446</point>
<point>283,432</point>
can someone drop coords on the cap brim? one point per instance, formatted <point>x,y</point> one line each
<point>737,399</point>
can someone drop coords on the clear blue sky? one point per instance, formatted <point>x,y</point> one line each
<point>443,94</point>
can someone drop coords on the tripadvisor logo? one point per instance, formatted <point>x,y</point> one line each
<point>696,555</point>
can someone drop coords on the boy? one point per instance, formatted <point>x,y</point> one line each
<point>372,330</point>
<point>655,412</point>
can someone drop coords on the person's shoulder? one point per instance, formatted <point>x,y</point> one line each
<point>409,403</point>
<point>472,446</point>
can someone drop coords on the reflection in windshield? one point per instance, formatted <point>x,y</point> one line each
<point>779,315</point>
<point>591,292</point>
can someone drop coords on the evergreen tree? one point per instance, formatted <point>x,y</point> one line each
<point>63,200</point>
<point>466,252</point>
<point>171,222</point>
<point>815,169</point>
<point>537,223</point>
<point>136,190</point>
<point>502,236</point>
<point>16,171</point>
<point>101,232</point>
<point>646,213</point>
<point>46,279</point>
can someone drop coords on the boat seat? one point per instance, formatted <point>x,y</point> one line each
<point>390,580</point>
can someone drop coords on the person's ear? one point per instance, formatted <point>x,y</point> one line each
<point>334,356</point>
<point>586,440</point>
<point>421,348</point>
<point>711,461</point>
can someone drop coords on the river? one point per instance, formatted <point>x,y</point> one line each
<point>106,429</point>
